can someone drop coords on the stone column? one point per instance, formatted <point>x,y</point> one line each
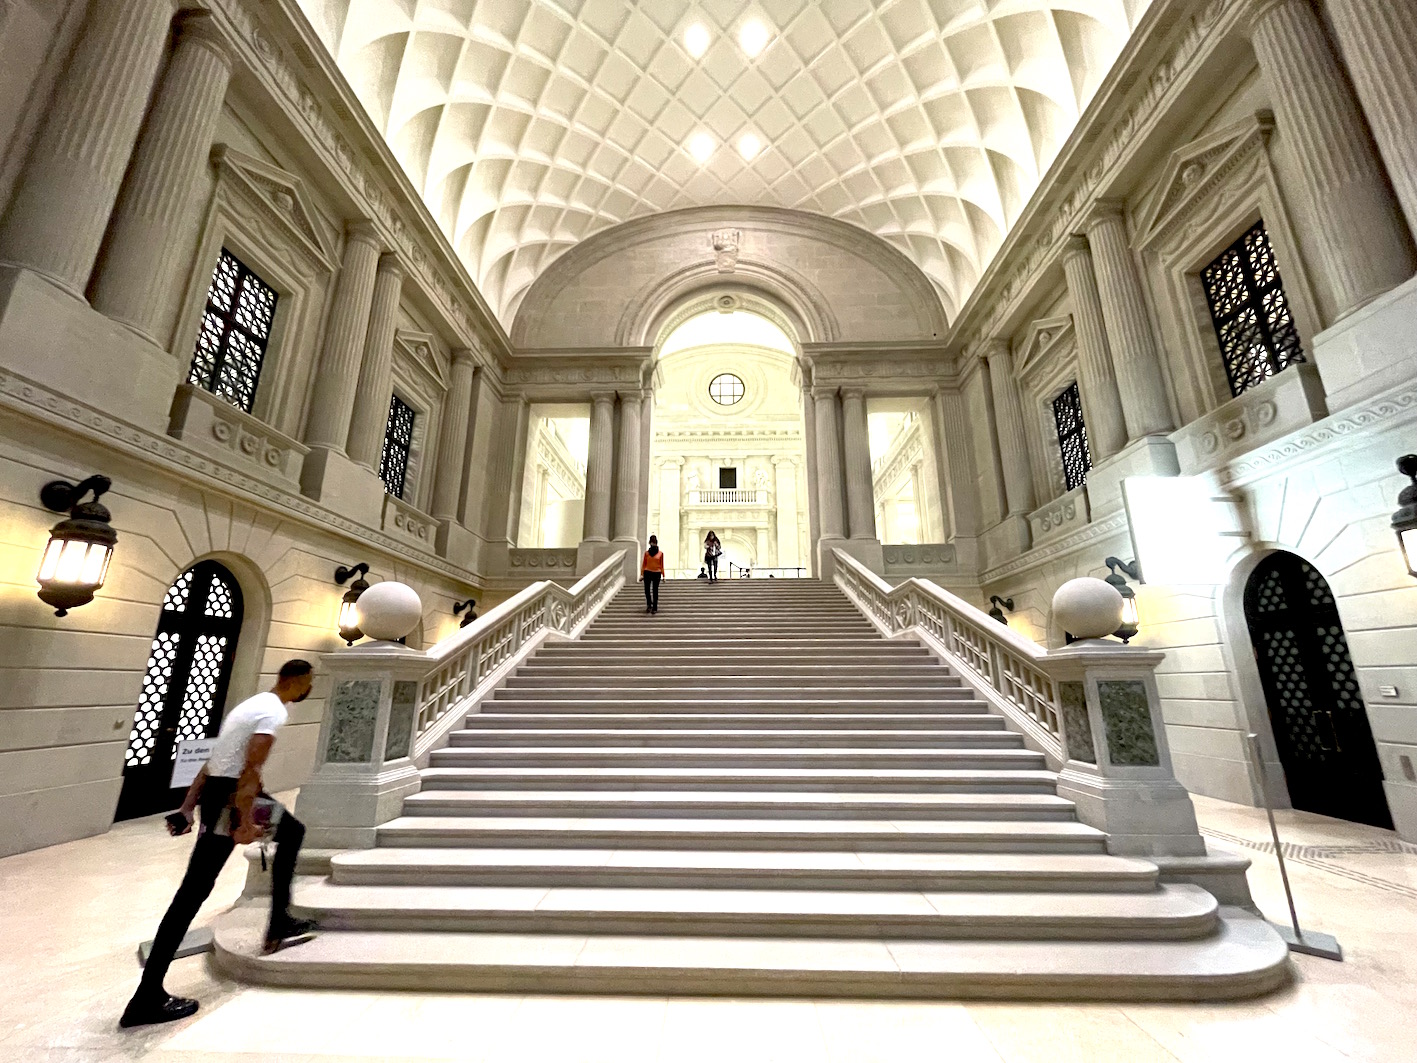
<point>627,471</point>
<point>514,507</point>
<point>370,417</point>
<point>332,398</point>
<point>1134,355</point>
<point>134,281</point>
<point>669,505</point>
<point>65,194</point>
<point>785,492</point>
<point>600,460</point>
<point>1378,39</point>
<point>962,494</point>
<point>829,492</point>
<point>452,436</point>
<point>860,505</point>
<point>1097,383</point>
<point>1008,421</point>
<point>1365,247</point>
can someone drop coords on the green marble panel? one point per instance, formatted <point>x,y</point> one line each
<point>1076,724</point>
<point>354,712</point>
<point>401,719</point>
<point>1131,742</point>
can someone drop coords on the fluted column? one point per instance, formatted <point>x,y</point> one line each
<point>134,280</point>
<point>600,466</point>
<point>1129,335</point>
<point>1378,39</point>
<point>1102,403</point>
<point>627,470</point>
<point>860,505</point>
<point>65,194</point>
<point>1365,247</point>
<point>452,435</point>
<point>370,418</point>
<point>963,489</point>
<point>829,486</point>
<point>332,400</point>
<point>1008,421</point>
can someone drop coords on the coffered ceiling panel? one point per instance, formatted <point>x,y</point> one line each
<point>529,125</point>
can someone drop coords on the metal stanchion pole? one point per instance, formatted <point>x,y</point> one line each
<point>1310,943</point>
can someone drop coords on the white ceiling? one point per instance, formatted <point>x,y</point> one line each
<point>529,125</point>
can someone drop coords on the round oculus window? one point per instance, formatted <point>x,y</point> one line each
<point>726,389</point>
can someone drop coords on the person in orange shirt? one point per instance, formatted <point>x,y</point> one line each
<point>652,571</point>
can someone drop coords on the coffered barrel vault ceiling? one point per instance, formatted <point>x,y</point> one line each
<point>529,125</point>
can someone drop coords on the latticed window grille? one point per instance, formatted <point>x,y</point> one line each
<point>1251,313</point>
<point>1072,436</point>
<point>235,331</point>
<point>398,442</point>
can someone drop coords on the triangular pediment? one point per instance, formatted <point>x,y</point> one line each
<point>282,193</point>
<point>421,353</point>
<point>1045,335</point>
<point>1194,167</point>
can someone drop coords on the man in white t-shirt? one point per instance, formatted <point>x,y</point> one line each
<point>227,789</point>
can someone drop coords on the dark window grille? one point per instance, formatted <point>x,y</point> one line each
<point>1253,322</point>
<point>1072,436</point>
<point>235,331</point>
<point>398,441</point>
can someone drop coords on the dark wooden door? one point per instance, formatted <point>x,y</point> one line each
<point>184,689</point>
<point>1315,705</point>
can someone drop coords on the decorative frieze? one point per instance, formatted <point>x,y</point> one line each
<point>1062,516</point>
<point>206,423</point>
<point>544,563</point>
<point>922,557</point>
<point>1283,404</point>
<point>410,523</point>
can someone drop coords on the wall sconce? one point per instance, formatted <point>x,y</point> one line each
<point>1404,521</point>
<point>1131,621</point>
<point>471,606</point>
<point>75,562</point>
<point>348,612</point>
<point>997,613</point>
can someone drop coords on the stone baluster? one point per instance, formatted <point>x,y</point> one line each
<point>600,466</point>
<point>1102,403</point>
<point>1008,422</point>
<point>65,194</point>
<point>860,503</point>
<point>370,419</point>
<point>829,486</point>
<point>1365,248</point>
<point>332,399</point>
<point>1134,356</point>
<point>452,436</point>
<point>627,472</point>
<point>133,283</point>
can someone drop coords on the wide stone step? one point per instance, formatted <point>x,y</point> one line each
<point>649,677</point>
<point>1243,958</point>
<point>896,780</point>
<point>886,654</point>
<point>746,757</point>
<point>826,672</point>
<point>814,722</point>
<point>749,869</point>
<point>727,690</point>
<point>610,816</point>
<point>788,835</point>
<point>1168,913</point>
<point>942,701</point>
<point>726,643</point>
<point>722,738</point>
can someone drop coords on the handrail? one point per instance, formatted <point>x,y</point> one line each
<point>462,665</point>
<point>1011,671</point>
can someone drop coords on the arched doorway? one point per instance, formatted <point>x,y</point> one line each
<point>184,688</point>
<point>1315,706</point>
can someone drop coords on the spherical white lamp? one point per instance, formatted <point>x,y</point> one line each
<point>389,610</point>
<point>1088,608</point>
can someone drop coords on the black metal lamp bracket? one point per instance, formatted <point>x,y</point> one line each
<point>62,496</point>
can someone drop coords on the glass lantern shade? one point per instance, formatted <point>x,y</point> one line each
<point>1404,521</point>
<point>349,629</point>
<point>1407,537</point>
<point>75,561</point>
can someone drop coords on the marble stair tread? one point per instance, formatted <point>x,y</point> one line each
<point>716,834</point>
<point>962,738</point>
<point>747,756</point>
<point>787,722</point>
<point>599,778</point>
<point>727,689</point>
<point>1167,912</point>
<point>1245,957</point>
<point>943,702</point>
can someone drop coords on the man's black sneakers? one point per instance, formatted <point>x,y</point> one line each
<point>288,934</point>
<point>148,1011</point>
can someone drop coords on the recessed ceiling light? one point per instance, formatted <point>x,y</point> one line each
<point>749,145</point>
<point>753,35</point>
<point>697,39</point>
<point>701,146</point>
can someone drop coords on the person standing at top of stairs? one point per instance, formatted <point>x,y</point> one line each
<point>712,548</point>
<point>652,571</point>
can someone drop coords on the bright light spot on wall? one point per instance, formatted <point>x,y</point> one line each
<point>1184,531</point>
<point>753,36</point>
<point>697,39</point>
<point>741,328</point>
<point>749,145</point>
<point>701,146</point>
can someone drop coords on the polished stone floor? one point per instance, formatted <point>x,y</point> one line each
<point>71,916</point>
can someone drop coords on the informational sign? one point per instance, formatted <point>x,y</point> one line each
<point>191,755</point>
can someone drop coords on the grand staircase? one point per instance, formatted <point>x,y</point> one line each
<point>751,792</point>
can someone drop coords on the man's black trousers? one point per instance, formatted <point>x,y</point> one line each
<point>652,589</point>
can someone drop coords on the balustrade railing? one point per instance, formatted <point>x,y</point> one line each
<point>728,498</point>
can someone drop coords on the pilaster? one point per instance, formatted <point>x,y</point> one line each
<point>370,417</point>
<point>1008,421</point>
<point>600,466</point>
<point>452,436</point>
<point>1102,403</point>
<point>860,504</point>
<point>627,472</point>
<point>332,398</point>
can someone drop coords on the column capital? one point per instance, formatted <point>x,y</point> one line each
<point>363,231</point>
<point>200,27</point>
<point>1259,10</point>
<point>602,398</point>
<point>819,392</point>
<point>853,393</point>
<point>779,462</point>
<point>1103,212</point>
<point>672,463</point>
<point>390,263</point>
<point>1075,246</point>
<point>464,356</point>
<point>995,348</point>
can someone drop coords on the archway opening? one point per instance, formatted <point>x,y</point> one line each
<point>554,485</point>
<point>728,452</point>
<point>1316,708</point>
<point>905,477</point>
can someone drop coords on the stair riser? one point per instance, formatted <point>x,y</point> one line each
<point>822,783</point>
<point>728,841</point>
<point>730,688</point>
<point>842,810</point>
<point>954,722</point>
<point>826,675</point>
<point>549,757</point>
<point>577,655</point>
<point>936,707</point>
<point>920,740</point>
